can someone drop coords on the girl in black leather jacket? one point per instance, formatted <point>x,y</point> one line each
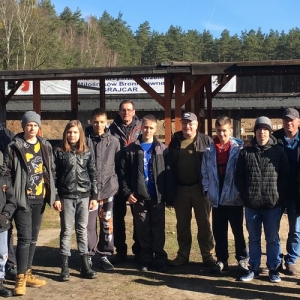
<point>76,185</point>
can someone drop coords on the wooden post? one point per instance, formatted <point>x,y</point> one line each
<point>202,110</point>
<point>209,106</point>
<point>74,99</point>
<point>178,95</point>
<point>168,117</point>
<point>237,124</point>
<point>2,104</point>
<point>102,93</point>
<point>187,87</point>
<point>37,106</point>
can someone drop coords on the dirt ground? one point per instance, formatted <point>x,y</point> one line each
<point>192,281</point>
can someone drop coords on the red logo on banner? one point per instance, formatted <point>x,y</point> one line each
<point>25,86</point>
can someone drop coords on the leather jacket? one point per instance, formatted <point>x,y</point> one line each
<point>75,174</point>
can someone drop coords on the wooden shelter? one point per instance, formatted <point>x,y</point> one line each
<point>197,79</point>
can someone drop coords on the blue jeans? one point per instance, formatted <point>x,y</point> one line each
<point>293,241</point>
<point>3,252</point>
<point>78,210</point>
<point>270,219</point>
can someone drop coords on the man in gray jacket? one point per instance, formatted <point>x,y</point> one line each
<point>105,146</point>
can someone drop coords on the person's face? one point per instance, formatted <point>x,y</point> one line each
<point>262,136</point>
<point>189,128</point>
<point>148,130</point>
<point>31,130</point>
<point>126,113</point>
<point>290,126</point>
<point>99,124</point>
<point>223,133</point>
<point>73,135</point>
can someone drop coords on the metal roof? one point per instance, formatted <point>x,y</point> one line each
<point>163,69</point>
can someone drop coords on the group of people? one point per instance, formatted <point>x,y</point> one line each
<point>94,172</point>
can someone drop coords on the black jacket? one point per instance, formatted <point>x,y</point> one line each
<point>201,142</point>
<point>293,184</point>
<point>75,174</point>
<point>8,203</point>
<point>105,148</point>
<point>126,135</point>
<point>132,171</point>
<point>261,174</point>
<point>6,137</point>
<point>15,169</point>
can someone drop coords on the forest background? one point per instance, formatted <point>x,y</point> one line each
<point>34,36</point>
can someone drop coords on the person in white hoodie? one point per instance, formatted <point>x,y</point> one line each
<point>218,167</point>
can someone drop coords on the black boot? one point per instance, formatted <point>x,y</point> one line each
<point>64,275</point>
<point>4,292</point>
<point>86,270</point>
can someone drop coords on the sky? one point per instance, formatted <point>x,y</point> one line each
<point>213,15</point>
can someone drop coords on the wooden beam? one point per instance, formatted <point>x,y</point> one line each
<point>178,95</point>
<point>197,85</point>
<point>209,106</point>
<point>149,90</point>
<point>74,99</point>
<point>167,106</point>
<point>12,92</point>
<point>218,89</point>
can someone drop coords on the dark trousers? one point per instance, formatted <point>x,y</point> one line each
<point>104,243</point>
<point>150,228</point>
<point>221,215</point>
<point>28,223</point>
<point>119,210</point>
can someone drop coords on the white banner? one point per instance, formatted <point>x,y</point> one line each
<point>112,86</point>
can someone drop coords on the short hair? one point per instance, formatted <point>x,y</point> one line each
<point>149,118</point>
<point>222,120</point>
<point>126,101</point>
<point>81,144</point>
<point>99,112</point>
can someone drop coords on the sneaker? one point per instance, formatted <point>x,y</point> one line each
<point>274,276</point>
<point>106,264</point>
<point>243,265</point>
<point>33,281</point>
<point>219,267</point>
<point>178,261</point>
<point>251,274</point>
<point>291,269</point>
<point>118,258</point>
